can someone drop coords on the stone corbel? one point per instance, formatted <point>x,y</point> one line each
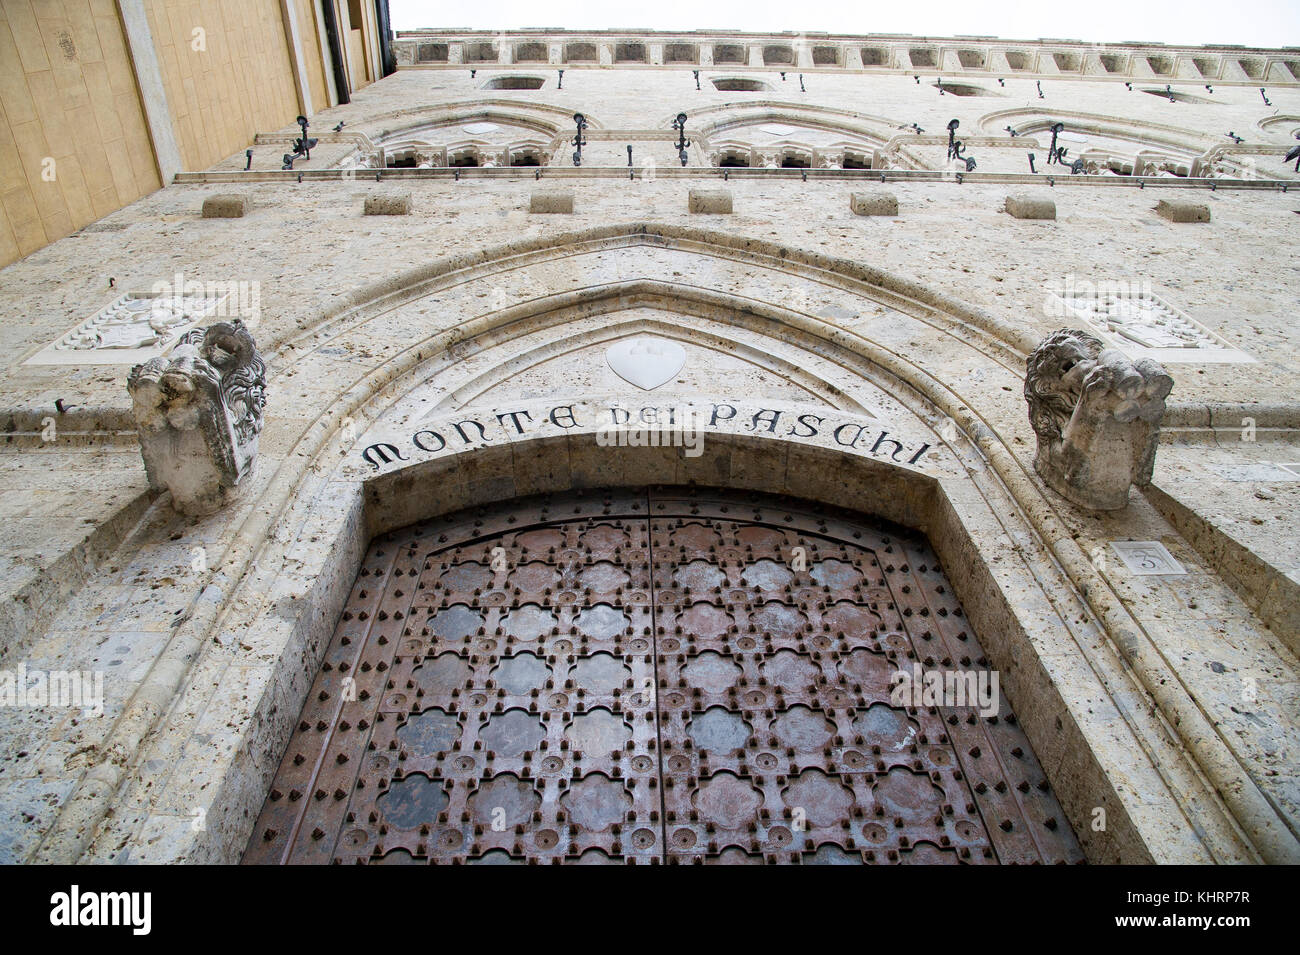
<point>1097,417</point>
<point>198,413</point>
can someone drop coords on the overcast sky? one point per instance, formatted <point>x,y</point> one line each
<point>1269,23</point>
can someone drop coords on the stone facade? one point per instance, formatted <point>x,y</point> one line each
<point>473,350</point>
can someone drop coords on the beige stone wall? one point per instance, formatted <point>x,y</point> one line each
<point>356,23</point>
<point>309,30</point>
<point>67,93</point>
<point>243,82</point>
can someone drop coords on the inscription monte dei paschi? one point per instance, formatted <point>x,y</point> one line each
<point>645,426</point>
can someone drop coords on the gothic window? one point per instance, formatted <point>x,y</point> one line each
<point>794,161</point>
<point>464,160</point>
<point>740,84</point>
<point>514,83</point>
<point>1178,96</point>
<point>734,159</point>
<point>856,161</point>
<point>401,159</point>
<point>965,90</point>
<point>525,157</point>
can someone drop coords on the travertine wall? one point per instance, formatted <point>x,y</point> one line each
<point>67,94</point>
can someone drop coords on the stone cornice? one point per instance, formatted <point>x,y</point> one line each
<point>872,53</point>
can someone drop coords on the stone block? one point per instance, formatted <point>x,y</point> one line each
<point>1177,211</point>
<point>551,201</point>
<point>710,201</point>
<point>227,206</point>
<point>873,203</point>
<point>1026,205</point>
<point>391,205</point>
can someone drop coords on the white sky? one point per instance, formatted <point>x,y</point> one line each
<point>1270,23</point>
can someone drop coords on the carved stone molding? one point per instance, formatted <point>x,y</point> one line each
<point>1140,323</point>
<point>646,361</point>
<point>133,327</point>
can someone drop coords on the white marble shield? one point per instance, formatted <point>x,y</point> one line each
<point>646,361</point>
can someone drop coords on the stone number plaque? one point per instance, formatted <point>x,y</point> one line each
<point>1146,558</point>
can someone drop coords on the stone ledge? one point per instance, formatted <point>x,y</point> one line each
<point>710,201</point>
<point>1262,585</point>
<point>873,203</point>
<point>227,206</point>
<point>398,205</point>
<point>551,201</point>
<point>1026,205</point>
<point>1183,211</point>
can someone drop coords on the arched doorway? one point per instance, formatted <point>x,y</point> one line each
<point>652,675</point>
